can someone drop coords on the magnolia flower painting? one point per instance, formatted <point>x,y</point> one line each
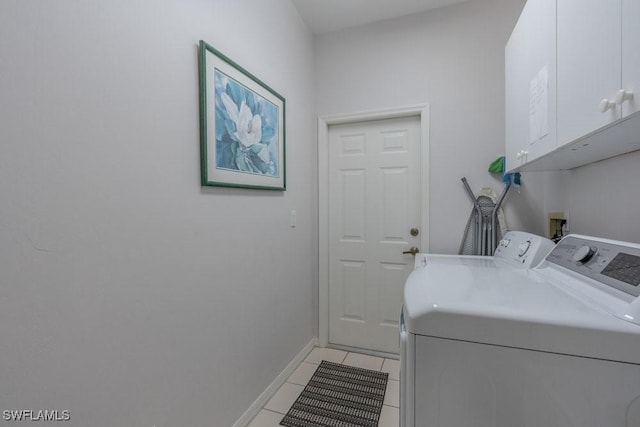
<point>245,129</point>
<point>242,126</point>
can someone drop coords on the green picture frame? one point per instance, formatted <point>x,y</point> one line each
<point>242,126</point>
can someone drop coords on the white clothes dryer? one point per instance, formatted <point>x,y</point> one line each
<point>486,344</point>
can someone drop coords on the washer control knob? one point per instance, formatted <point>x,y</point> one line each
<point>523,248</point>
<point>584,254</point>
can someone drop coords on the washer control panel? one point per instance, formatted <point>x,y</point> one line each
<point>523,249</point>
<point>615,264</point>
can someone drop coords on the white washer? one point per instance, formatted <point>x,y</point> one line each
<point>486,344</point>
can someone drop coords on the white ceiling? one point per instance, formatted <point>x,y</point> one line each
<point>323,16</point>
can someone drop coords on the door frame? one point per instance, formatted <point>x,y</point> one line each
<point>422,111</point>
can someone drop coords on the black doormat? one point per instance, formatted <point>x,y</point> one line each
<point>339,396</point>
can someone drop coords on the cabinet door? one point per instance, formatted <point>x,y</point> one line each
<point>529,55</point>
<point>631,54</point>
<point>589,65</point>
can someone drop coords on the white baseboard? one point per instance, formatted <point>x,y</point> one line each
<point>262,400</point>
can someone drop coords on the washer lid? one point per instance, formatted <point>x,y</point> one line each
<point>486,301</point>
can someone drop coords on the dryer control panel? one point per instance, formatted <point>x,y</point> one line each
<point>615,264</point>
<point>523,249</point>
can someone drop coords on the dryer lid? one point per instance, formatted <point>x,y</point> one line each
<point>487,301</point>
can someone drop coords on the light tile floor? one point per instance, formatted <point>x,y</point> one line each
<point>277,407</point>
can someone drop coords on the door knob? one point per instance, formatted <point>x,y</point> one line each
<point>413,251</point>
<point>606,105</point>
<point>623,95</point>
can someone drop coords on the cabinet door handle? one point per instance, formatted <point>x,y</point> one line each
<point>623,95</point>
<point>522,155</point>
<point>606,105</point>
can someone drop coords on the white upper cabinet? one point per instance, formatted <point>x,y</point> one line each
<point>589,50</point>
<point>589,66</point>
<point>530,84</point>
<point>630,57</point>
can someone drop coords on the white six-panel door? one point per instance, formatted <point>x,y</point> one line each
<point>374,202</point>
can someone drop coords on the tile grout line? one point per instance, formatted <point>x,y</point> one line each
<point>280,413</point>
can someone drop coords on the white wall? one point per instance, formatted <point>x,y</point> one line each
<point>130,295</point>
<point>452,59</point>
<point>604,199</point>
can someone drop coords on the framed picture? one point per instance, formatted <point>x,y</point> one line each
<point>242,126</point>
